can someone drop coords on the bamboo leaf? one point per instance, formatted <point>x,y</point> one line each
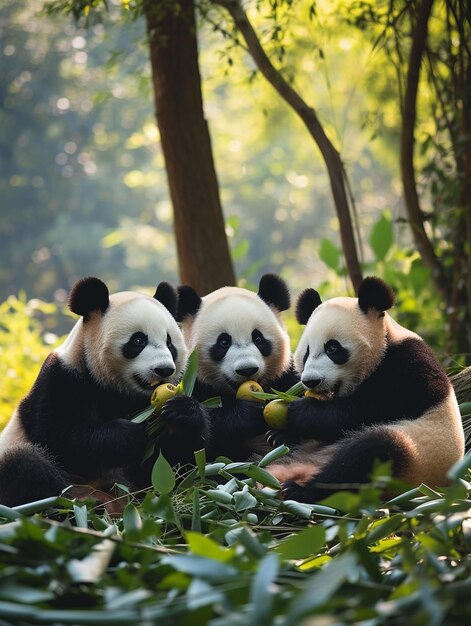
<point>263,590</point>
<point>273,455</point>
<point>200,458</point>
<point>189,376</point>
<point>303,544</point>
<point>163,478</point>
<point>212,403</point>
<point>143,415</point>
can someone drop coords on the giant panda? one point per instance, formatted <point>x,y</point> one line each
<point>385,397</point>
<point>74,425</point>
<point>239,336</point>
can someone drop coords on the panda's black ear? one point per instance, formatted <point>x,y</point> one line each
<point>189,302</point>
<point>88,295</point>
<point>273,290</point>
<point>167,296</point>
<point>308,300</point>
<point>374,293</point>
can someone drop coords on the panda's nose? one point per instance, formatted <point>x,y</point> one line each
<point>164,372</point>
<point>247,371</point>
<point>311,384</point>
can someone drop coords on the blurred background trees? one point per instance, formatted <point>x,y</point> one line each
<point>83,185</point>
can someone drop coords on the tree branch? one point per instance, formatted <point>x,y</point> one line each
<point>308,116</point>
<point>411,198</point>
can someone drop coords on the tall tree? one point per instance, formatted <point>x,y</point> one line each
<point>441,50</point>
<point>202,246</point>
<point>203,251</point>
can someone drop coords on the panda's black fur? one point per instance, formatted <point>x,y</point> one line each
<point>74,425</point>
<point>388,399</point>
<point>239,336</point>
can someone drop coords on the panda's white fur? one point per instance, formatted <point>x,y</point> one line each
<point>386,395</point>
<point>237,311</point>
<point>74,423</point>
<point>239,336</point>
<point>101,344</point>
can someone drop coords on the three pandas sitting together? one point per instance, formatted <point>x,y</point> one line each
<point>385,395</point>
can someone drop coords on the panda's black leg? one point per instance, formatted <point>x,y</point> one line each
<point>351,465</point>
<point>28,474</point>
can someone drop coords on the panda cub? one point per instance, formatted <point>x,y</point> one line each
<point>386,397</point>
<point>74,425</point>
<point>239,336</point>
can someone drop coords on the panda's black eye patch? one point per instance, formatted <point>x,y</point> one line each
<point>262,343</point>
<point>306,356</point>
<point>171,347</point>
<point>135,345</point>
<point>218,351</point>
<point>336,352</point>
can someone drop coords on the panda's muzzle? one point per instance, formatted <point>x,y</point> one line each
<point>164,372</point>
<point>247,372</point>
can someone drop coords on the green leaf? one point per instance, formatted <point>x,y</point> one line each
<point>296,390</point>
<point>300,509</point>
<point>200,458</point>
<point>164,509</point>
<point>189,376</point>
<point>8,513</point>
<point>384,528</point>
<point>196,512</point>
<point>201,567</point>
<point>329,254</point>
<point>273,455</point>
<point>163,478</point>
<point>219,496</point>
<point>460,469</point>
<point>246,537</point>
<point>244,500</point>
<point>132,521</point>
<point>322,587</point>
<point>465,408</point>
<point>240,250</point>
<point>205,546</point>
<point>143,415</point>
<point>303,544</point>
<point>212,403</point>
<point>381,236</point>
<point>263,591</point>
<point>262,476</point>
<point>81,516</point>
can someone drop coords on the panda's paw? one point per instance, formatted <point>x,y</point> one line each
<point>275,438</point>
<point>184,412</point>
<point>292,491</point>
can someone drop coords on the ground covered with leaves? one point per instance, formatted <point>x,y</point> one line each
<point>219,547</point>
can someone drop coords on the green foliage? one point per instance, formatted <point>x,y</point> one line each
<point>418,307</point>
<point>217,548</point>
<point>22,349</point>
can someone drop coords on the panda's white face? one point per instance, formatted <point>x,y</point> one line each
<point>238,338</point>
<point>133,346</point>
<point>340,346</point>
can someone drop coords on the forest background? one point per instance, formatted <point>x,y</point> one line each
<point>83,183</point>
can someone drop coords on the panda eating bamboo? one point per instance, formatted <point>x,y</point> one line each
<point>74,427</point>
<point>385,397</point>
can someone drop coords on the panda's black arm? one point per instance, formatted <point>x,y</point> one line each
<point>232,425</point>
<point>327,421</point>
<point>87,446</point>
<point>406,384</point>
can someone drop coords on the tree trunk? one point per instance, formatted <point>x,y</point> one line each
<point>307,114</point>
<point>202,247</point>
<point>411,198</point>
